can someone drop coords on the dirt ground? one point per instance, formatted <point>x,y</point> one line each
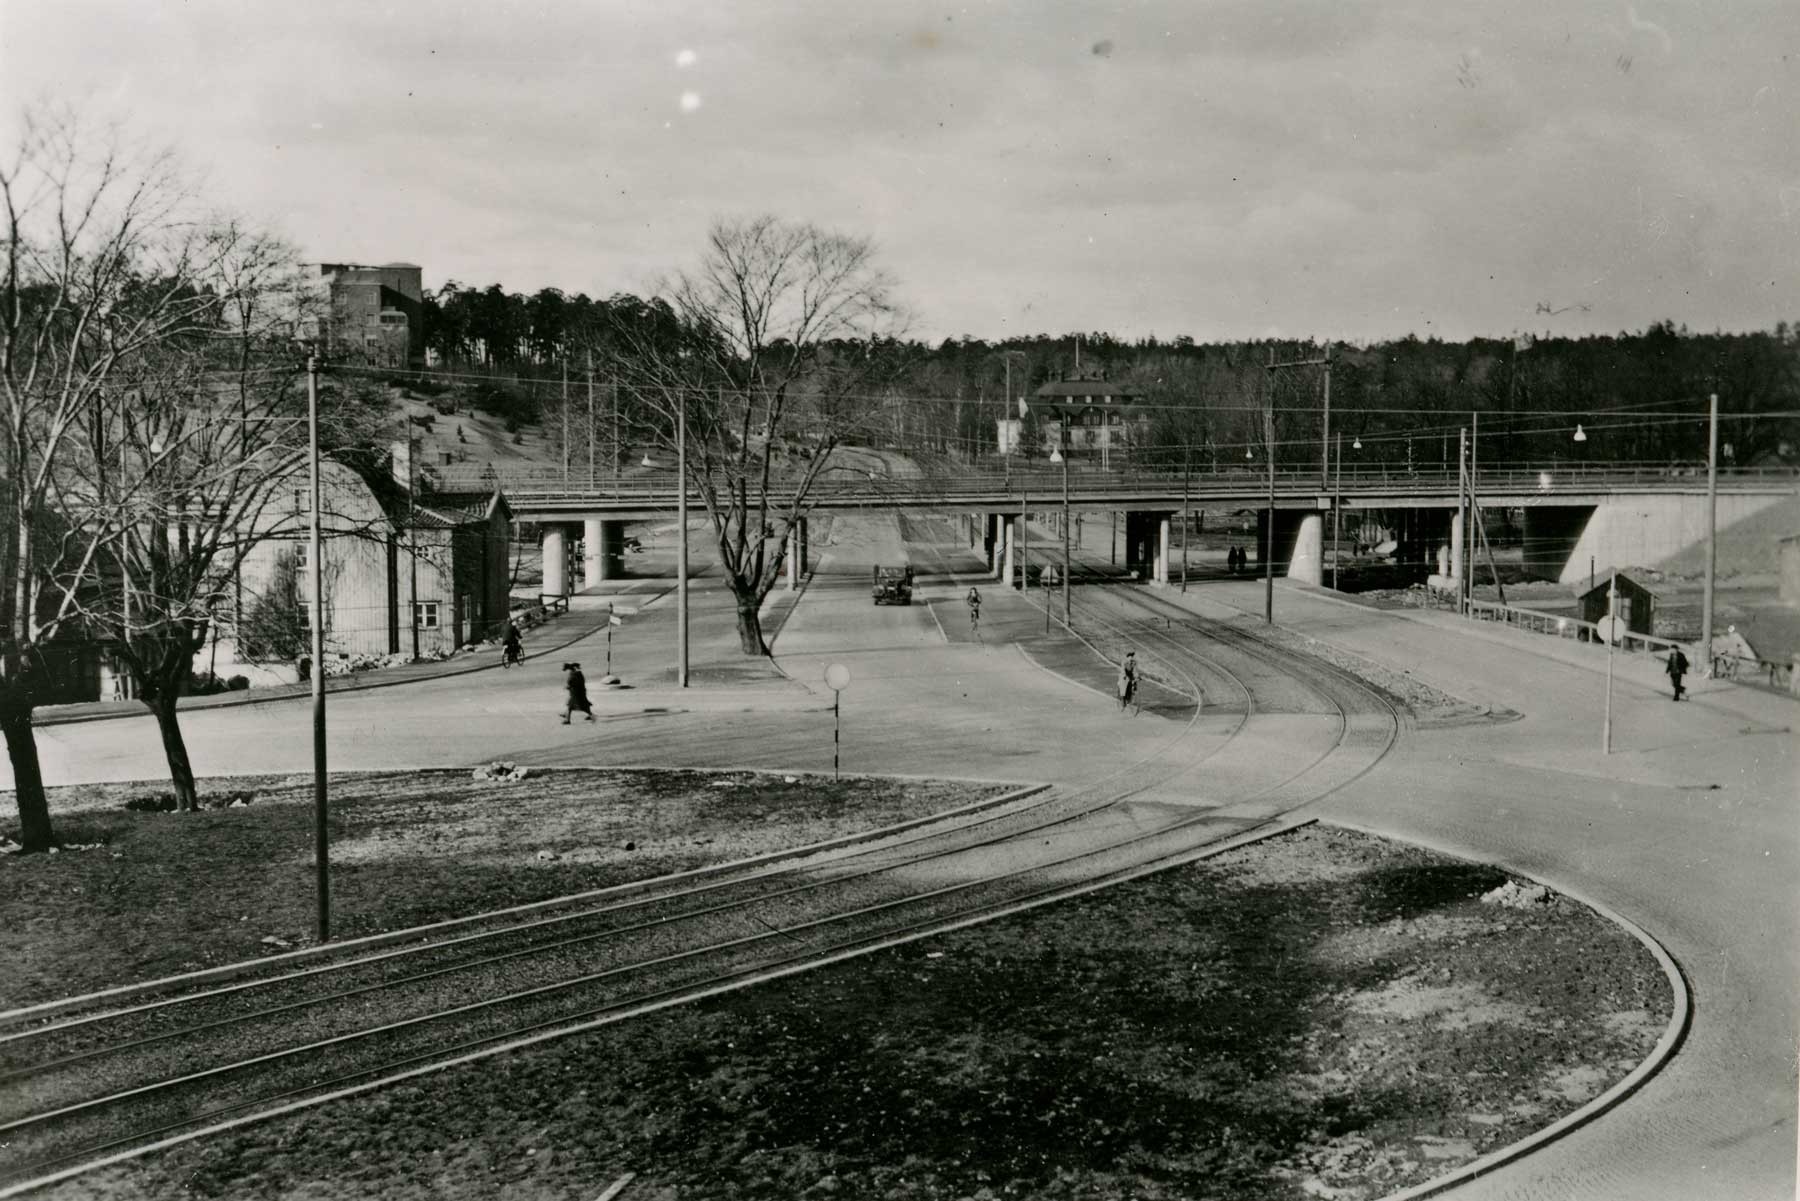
<point>406,848</point>
<point>1322,1014</point>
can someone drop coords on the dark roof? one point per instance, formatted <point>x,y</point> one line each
<point>1603,579</point>
<point>1088,389</point>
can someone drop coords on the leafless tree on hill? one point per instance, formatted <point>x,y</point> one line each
<point>771,360</point>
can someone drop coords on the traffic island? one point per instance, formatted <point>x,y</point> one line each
<point>1320,1014</point>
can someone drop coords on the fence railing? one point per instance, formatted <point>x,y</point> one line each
<point>551,485</point>
<point>1561,625</point>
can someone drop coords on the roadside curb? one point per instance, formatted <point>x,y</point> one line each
<point>250,697</point>
<point>243,967</point>
<point>1680,1019</point>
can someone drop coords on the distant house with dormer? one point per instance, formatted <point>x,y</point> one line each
<point>1103,417</point>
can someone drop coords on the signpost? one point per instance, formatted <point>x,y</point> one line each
<point>837,675</point>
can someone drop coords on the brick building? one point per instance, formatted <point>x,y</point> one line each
<point>376,314</point>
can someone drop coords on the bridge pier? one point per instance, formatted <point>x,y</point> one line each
<point>556,561</point>
<point>603,550</point>
<point>796,553</point>
<point>1307,562</point>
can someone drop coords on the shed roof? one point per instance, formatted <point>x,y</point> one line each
<point>1604,576</point>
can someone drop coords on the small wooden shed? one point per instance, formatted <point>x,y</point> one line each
<point>1637,604</point>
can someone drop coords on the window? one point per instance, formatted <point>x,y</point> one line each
<point>425,614</point>
<point>302,553</point>
<point>305,608</point>
<point>299,500</point>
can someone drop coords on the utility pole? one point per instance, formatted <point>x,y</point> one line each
<point>1325,426</point>
<point>565,421</point>
<point>1337,515</point>
<point>1068,563</point>
<point>1712,529</point>
<point>681,555</point>
<point>1187,466</point>
<point>1469,538</point>
<point>590,392</point>
<point>412,541</point>
<point>1612,628</point>
<point>321,812</point>
<point>1462,488</point>
<point>1269,538</point>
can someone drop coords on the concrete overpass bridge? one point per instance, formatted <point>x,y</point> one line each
<point>1612,514</point>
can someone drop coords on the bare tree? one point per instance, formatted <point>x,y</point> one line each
<point>100,264</point>
<point>186,454</point>
<point>775,348</point>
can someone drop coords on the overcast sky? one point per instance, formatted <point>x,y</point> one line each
<point>1219,169</point>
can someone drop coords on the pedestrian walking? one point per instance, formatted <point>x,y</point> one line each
<point>1676,666</point>
<point>575,690</point>
<point>1128,680</point>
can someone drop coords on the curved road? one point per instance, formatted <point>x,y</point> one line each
<point>1688,829</point>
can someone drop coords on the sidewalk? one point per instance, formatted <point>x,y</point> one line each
<point>581,620</point>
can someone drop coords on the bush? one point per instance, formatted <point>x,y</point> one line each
<point>237,684</point>
<point>205,683</point>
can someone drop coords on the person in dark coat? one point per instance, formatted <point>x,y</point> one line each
<point>1676,667</point>
<point>512,648</point>
<point>1128,680</point>
<point>575,687</point>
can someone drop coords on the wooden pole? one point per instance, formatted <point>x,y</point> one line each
<point>321,810</point>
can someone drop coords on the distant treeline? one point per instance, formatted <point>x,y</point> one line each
<point>1639,397</point>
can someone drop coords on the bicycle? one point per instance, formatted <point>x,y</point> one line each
<point>974,620</point>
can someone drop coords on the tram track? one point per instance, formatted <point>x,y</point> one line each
<point>93,1090</point>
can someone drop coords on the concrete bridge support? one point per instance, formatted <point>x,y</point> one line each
<point>993,537</point>
<point>796,554</point>
<point>1306,562</point>
<point>1008,534</point>
<point>603,548</point>
<point>556,561</point>
<point>1161,575</point>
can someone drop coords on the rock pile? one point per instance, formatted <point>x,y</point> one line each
<point>1514,895</point>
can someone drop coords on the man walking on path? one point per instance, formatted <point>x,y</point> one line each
<point>1676,667</point>
<point>1128,672</point>
<point>575,684</point>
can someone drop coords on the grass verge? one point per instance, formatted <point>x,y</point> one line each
<point>153,894</point>
<point>1323,1014</point>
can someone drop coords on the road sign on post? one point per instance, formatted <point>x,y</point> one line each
<point>837,675</point>
<point>609,680</point>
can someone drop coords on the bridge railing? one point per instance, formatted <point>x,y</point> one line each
<point>1561,625</point>
<point>1038,481</point>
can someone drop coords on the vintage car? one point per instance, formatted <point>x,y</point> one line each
<point>893,586</point>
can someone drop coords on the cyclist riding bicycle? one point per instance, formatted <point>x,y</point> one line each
<point>974,599</point>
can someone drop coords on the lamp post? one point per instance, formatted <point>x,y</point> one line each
<point>321,829</point>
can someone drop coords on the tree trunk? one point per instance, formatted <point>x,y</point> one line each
<point>181,771</point>
<point>749,623</point>
<point>35,832</point>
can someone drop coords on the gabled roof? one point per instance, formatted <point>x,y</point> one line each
<point>1088,389</point>
<point>1603,578</point>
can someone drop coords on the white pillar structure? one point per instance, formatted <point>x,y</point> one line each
<point>1456,546</point>
<point>1308,562</point>
<point>1161,574</point>
<point>999,549</point>
<point>593,549</point>
<point>556,560</point>
<point>1007,531</point>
